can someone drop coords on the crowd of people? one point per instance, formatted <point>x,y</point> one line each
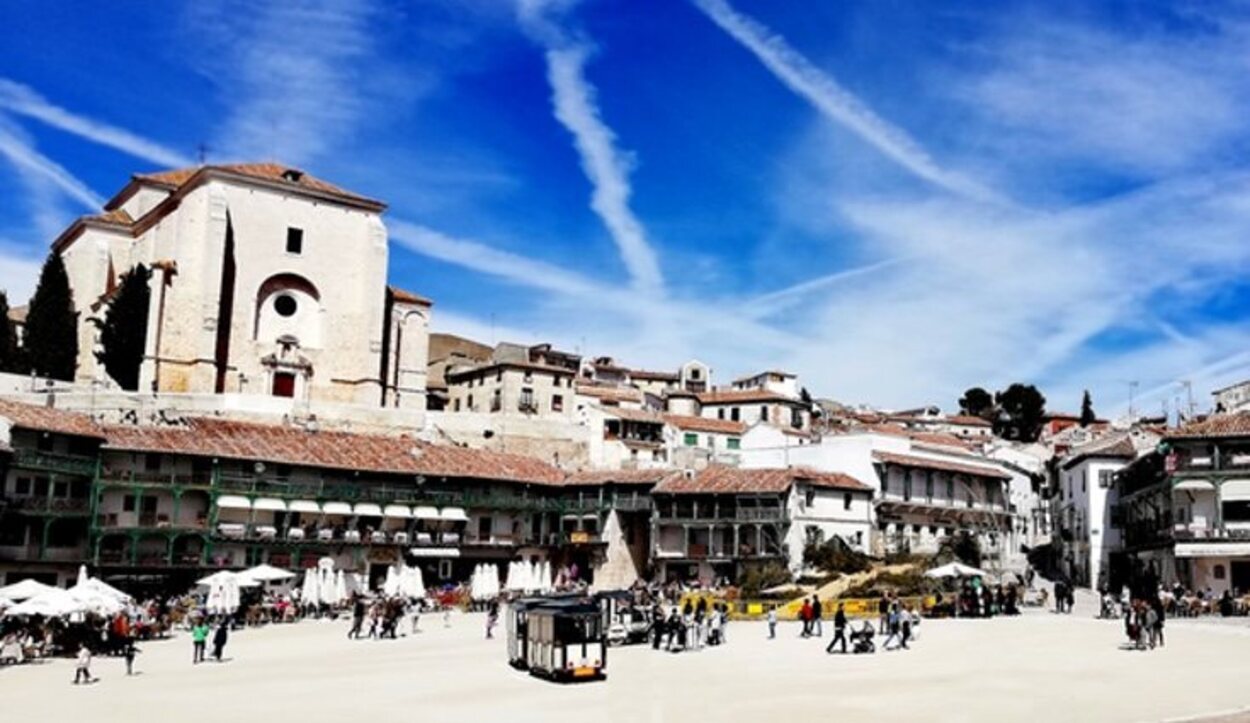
<point>691,627</point>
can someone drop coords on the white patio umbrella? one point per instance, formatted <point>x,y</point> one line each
<point>955,569</point>
<point>24,590</point>
<point>96,601</point>
<point>53,602</point>
<point>223,576</point>
<point>267,573</point>
<point>99,587</point>
<point>513,579</point>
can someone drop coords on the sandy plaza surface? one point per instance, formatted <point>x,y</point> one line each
<point>1038,666</point>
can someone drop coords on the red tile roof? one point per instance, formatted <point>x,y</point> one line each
<point>621,477</point>
<point>729,396</point>
<point>719,479</point>
<point>407,297</point>
<point>336,450</point>
<point>269,172</point>
<point>908,460</point>
<point>703,424</point>
<point>615,394</point>
<point>965,420</point>
<point>1218,425</point>
<point>49,419</point>
<point>633,415</point>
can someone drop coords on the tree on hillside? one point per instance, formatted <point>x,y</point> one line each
<point>1021,408</point>
<point>977,402</point>
<point>51,339</point>
<point>10,354</point>
<point>1087,410</point>
<point>124,331</point>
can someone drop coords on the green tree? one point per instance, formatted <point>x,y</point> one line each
<point>977,402</point>
<point>1021,408</point>
<point>1087,410</point>
<point>51,339</point>
<point>123,334</point>
<point>10,354</point>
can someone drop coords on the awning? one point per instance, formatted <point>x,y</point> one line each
<point>305,506</point>
<point>368,509</point>
<point>399,511</point>
<point>336,508</point>
<point>1194,485</point>
<point>1213,549</point>
<point>426,513</point>
<point>269,503</point>
<point>591,516</point>
<point>234,502</point>
<point>1236,490</point>
<point>453,514</point>
<point>434,552</point>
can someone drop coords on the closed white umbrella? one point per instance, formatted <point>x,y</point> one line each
<point>510,579</point>
<point>326,584</point>
<point>340,587</point>
<point>82,574</point>
<point>418,583</point>
<point>232,594</point>
<point>544,572</point>
<point>390,586</point>
<point>310,595</point>
<point>24,590</point>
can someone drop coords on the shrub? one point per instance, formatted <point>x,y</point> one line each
<point>835,556</point>
<point>763,577</point>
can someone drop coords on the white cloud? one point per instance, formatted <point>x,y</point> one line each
<point>1135,102</point>
<point>23,100</point>
<point>608,168</point>
<point>31,164</point>
<point>835,102</point>
<point>289,75</point>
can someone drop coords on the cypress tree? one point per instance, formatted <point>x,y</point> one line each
<point>123,334</point>
<point>52,324</point>
<point>10,359</point>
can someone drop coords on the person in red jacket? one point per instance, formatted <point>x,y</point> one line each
<point>805,614</point>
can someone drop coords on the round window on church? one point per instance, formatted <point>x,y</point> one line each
<point>285,305</point>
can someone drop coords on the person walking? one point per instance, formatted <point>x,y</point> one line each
<point>82,669</point>
<point>199,637</point>
<point>772,622</point>
<point>817,611</point>
<point>895,627</point>
<point>358,617</point>
<point>839,629</point>
<point>492,618</point>
<point>805,614</point>
<point>1061,596</point>
<point>1156,631</point>
<point>219,639</point>
<point>883,613</point>
<point>128,652</point>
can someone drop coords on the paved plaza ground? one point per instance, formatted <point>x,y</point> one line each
<point>1036,667</point>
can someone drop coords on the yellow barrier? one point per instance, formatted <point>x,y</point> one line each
<point>789,609</point>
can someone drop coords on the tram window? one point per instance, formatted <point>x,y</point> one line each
<point>444,569</point>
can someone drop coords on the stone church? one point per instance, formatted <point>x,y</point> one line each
<point>265,281</point>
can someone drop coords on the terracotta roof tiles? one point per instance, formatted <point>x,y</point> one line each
<point>49,419</point>
<point>621,477</point>
<point>719,479</point>
<point>703,424</point>
<point>1218,425</point>
<point>908,460</point>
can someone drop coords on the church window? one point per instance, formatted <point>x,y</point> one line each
<point>294,240</point>
<point>285,305</point>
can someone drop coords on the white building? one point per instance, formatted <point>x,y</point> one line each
<point>722,520</point>
<point>1083,499</point>
<point>924,491</point>
<point>1233,398</point>
<point>266,282</point>
<point>529,381</point>
<point>783,383</point>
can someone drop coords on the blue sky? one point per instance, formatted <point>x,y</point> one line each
<point>896,200</point>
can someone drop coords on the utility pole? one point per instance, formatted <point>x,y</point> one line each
<point>1132,391</point>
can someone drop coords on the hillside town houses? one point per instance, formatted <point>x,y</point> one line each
<point>293,405</point>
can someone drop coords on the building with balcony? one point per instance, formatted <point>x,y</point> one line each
<point>47,466</point>
<point>1083,496</point>
<point>518,380</point>
<point>718,522</point>
<point>1184,509</point>
<point>926,486</point>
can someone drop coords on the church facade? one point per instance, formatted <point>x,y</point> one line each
<point>265,281</point>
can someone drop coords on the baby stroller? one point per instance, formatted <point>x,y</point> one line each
<point>861,640</point>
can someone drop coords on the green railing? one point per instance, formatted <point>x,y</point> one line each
<point>54,462</point>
